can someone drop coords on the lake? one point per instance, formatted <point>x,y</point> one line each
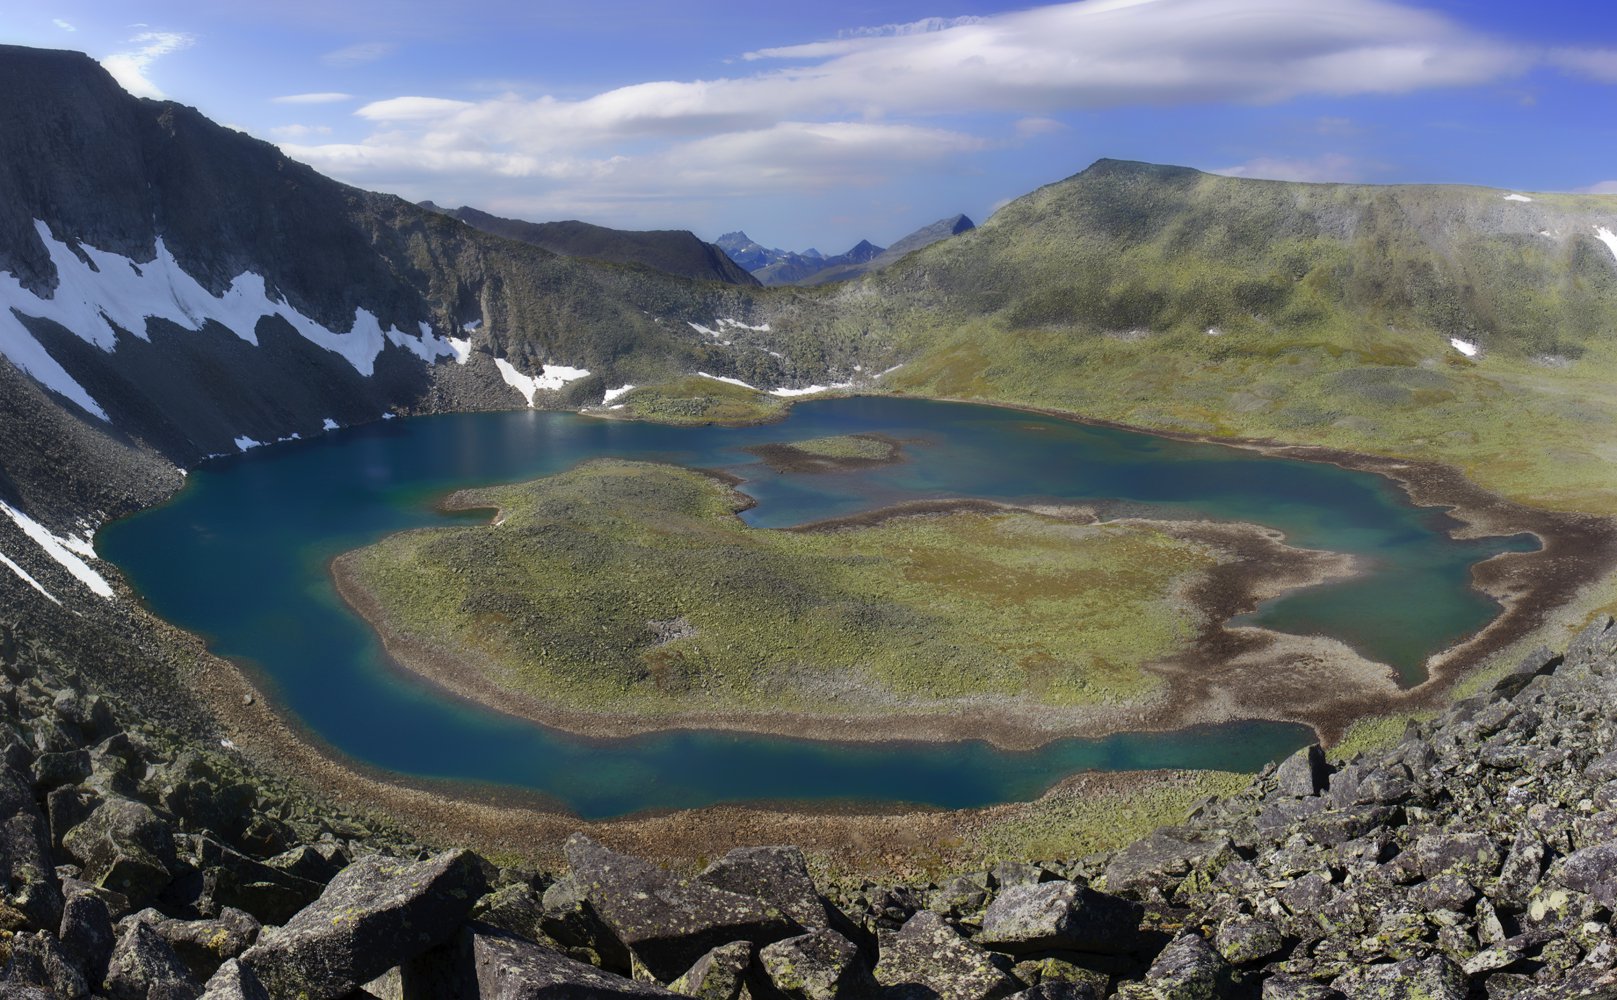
<point>239,556</point>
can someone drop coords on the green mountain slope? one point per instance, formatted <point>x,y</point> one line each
<point>1323,314</point>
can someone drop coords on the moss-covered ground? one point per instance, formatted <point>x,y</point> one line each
<point>700,400</point>
<point>632,588</point>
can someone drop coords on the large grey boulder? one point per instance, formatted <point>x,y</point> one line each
<point>1188,969</point>
<point>926,959</point>
<point>722,974</point>
<point>376,914</point>
<point>1162,859</point>
<point>665,922</point>
<point>144,967</point>
<point>777,875</point>
<point>821,965</point>
<point>1060,916</point>
<point>500,966</point>
<point>124,846</point>
<point>1435,978</point>
<point>28,880</point>
<point>39,960</point>
<point>234,981</point>
<point>86,933</point>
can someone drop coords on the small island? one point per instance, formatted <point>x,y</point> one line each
<point>830,454</point>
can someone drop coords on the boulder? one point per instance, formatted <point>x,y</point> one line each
<point>1062,916</point>
<point>40,960</point>
<point>721,974</point>
<point>234,981</point>
<point>567,918</point>
<point>28,882</point>
<point>376,914</point>
<point>86,934</point>
<point>667,923</point>
<point>1188,969</point>
<point>1435,978</point>
<point>821,965</point>
<point>1304,773</point>
<point>926,959</point>
<point>778,876</point>
<point>1162,859</point>
<point>500,966</point>
<point>124,846</point>
<point>1592,870</point>
<point>1242,939</point>
<point>1058,990</point>
<point>204,945</point>
<point>144,967</point>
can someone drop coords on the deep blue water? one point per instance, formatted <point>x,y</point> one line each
<point>240,556</point>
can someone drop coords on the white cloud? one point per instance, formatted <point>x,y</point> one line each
<point>324,97</point>
<point>1328,168</point>
<point>357,55</point>
<point>299,131</point>
<point>1027,128</point>
<point>867,105</point>
<point>64,25</point>
<point>1596,64</point>
<point>129,68</point>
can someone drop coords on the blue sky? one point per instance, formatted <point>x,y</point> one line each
<point>821,124</point>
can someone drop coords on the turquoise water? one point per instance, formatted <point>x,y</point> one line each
<point>240,555</point>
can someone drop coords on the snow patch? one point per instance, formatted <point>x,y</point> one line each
<point>890,370</point>
<point>461,348</point>
<point>244,442</point>
<point>699,328</point>
<point>810,390</point>
<point>1214,331</point>
<point>549,377</point>
<point>723,324</point>
<point>329,425</point>
<point>1467,347</point>
<point>737,324</point>
<point>732,381</point>
<point>471,326</point>
<point>1607,237</point>
<point>1517,197</point>
<point>111,292</point>
<point>612,394</point>
<point>66,551</point>
<point>26,578</point>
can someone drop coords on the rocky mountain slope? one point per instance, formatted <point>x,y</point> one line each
<point>793,269</point>
<point>918,240</point>
<point>674,251</point>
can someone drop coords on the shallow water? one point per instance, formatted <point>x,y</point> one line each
<point>240,557</point>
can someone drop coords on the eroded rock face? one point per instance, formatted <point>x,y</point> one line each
<point>722,974</point>
<point>504,967</point>
<point>376,914</point>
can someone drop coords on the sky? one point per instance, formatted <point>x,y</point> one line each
<point>817,125</point>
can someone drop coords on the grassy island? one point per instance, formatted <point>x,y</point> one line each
<point>633,589</point>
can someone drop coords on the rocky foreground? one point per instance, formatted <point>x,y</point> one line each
<point>1477,858</point>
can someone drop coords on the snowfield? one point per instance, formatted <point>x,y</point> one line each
<point>550,377</point>
<point>1607,237</point>
<point>66,551</point>
<point>1466,347</point>
<point>111,292</point>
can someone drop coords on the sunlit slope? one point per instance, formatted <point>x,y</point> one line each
<point>1324,314</point>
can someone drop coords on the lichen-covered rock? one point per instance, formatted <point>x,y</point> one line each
<point>86,934</point>
<point>1304,773</point>
<point>1242,939</point>
<point>926,959</point>
<point>778,876</point>
<point>28,881</point>
<point>144,967</point>
<point>204,945</point>
<point>1188,969</point>
<point>1058,990</point>
<point>500,966</point>
<point>721,974</point>
<point>377,913</point>
<point>1060,916</point>
<point>567,918</point>
<point>820,965</point>
<point>667,923</point>
<point>1435,978</point>
<point>234,981</point>
<point>1162,859</point>
<point>124,846</point>
<point>1592,870</point>
<point>39,960</point>
<point>1284,987</point>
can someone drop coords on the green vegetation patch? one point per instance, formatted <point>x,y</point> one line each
<point>826,454</point>
<point>701,400</point>
<point>633,588</point>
